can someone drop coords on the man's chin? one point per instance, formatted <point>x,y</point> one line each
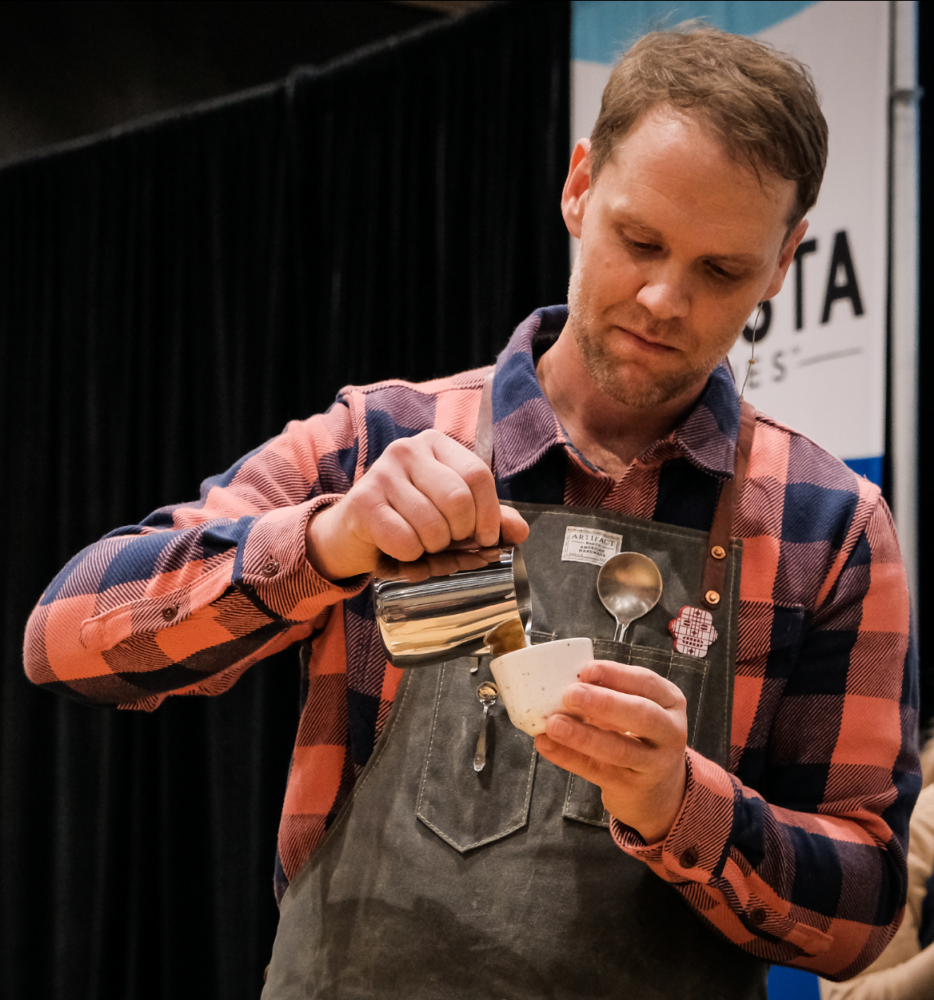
<point>641,391</point>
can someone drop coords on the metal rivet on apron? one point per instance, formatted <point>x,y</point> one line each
<point>712,598</point>
<point>718,552</point>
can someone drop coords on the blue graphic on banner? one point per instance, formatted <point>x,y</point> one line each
<point>871,468</point>
<point>602,29</point>
<point>792,984</point>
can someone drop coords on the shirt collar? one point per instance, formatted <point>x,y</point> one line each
<point>525,427</point>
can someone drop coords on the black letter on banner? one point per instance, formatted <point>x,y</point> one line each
<point>849,289</point>
<point>808,246</point>
<point>763,322</point>
<point>779,367</point>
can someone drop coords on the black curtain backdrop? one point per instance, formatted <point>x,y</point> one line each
<point>171,295</point>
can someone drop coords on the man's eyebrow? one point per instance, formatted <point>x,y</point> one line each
<point>741,259</point>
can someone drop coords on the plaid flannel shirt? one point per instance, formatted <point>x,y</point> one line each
<point>797,849</point>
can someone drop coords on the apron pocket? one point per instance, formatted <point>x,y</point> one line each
<point>584,802</point>
<point>686,672</point>
<point>464,807</point>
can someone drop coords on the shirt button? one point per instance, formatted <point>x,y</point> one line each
<point>271,568</point>
<point>689,857</point>
<point>758,917</point>
<point>170,612</point>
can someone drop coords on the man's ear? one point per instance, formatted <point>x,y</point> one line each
<point>787,255</point>
<point>576,188</point>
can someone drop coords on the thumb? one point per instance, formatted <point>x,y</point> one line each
<point>513,526</point>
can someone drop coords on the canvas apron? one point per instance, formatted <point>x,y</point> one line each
<point>436,881</point>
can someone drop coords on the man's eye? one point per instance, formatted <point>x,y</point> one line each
<point>639,246</point>
<point>721,273</point>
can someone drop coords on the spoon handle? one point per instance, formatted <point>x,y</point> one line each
<point>479,757</point>
<point>620,631</point>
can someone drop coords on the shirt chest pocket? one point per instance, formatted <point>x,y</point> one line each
<point>769,638</point>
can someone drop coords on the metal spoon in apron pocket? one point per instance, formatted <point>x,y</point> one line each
<point>629,585</point>
<point>487,692</point>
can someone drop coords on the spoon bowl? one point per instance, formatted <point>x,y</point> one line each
<point>487,692</point>
<point>629,586</point>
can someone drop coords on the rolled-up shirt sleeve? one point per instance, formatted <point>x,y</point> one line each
<point>189,598</point>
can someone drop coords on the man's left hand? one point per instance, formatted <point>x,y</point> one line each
<point>626,731</point>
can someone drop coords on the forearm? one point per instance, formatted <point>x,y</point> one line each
<point>781,901</point>
<point>188,598</point>
<point>903,971</point>
<point>190,629</point>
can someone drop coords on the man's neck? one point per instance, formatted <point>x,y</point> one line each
<point>610,434</point>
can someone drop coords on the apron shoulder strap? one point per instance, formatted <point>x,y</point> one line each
<point>483,445</point>
<point>718,544</point>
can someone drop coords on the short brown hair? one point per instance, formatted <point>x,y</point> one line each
<point>761,103</point>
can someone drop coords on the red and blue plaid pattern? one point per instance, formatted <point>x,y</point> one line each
<point>796,853</point>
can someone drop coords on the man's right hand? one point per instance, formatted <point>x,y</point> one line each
<point>423,494</point>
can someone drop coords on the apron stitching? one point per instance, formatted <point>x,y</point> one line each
<point>567,797</point>
<point>528,785</point>
<point>477,843</point>
<point>421,791</point>
<point>499,834</point>
<point>579,816</point>
<point>700,703</point>
<point>373,762</point>
<point>728,701</point>
<point>368,770</point>
<point>700,699</point>
<point>431,743</point>
<point>643,524</point>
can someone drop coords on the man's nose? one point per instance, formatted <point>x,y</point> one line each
<point>665,292</point>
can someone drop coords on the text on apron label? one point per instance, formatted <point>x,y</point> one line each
<point>588,545</point>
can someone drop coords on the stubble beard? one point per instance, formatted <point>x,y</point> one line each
<point>626,383</point>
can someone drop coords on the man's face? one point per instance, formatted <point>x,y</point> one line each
<point>679,242</point>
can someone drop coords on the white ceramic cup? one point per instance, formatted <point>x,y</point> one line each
<point>532,681</point>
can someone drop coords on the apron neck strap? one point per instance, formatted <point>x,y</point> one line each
<point>483,446</point>
<point>718,544</point>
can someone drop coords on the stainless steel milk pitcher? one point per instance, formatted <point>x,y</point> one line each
<point>449,616</point>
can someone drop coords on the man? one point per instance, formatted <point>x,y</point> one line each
<point>756,785</point>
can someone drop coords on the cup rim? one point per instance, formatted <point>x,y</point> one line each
<point>541,645</point>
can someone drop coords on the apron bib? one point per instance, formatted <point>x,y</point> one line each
<point>436,881</point>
